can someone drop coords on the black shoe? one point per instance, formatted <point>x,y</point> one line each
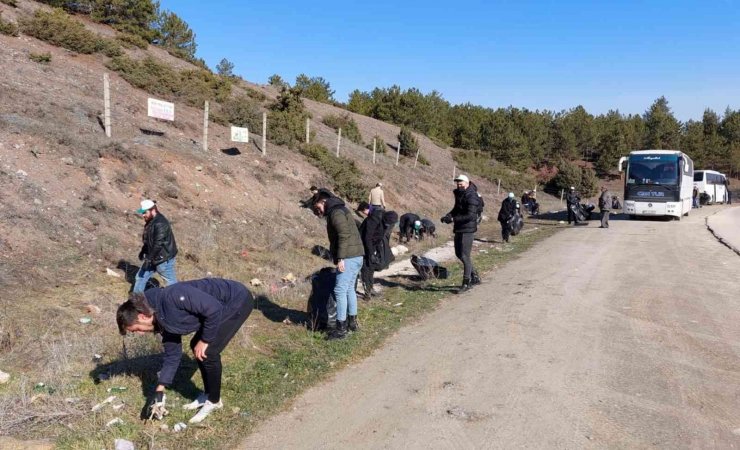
<point>340,332</point>
<point>352,323</point>
<point>368,291</point>
<point>474,278</point>
<point>465,286</point>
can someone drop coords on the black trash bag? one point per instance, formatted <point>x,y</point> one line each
<point>322,305</point>
<point>428,268</point>
<point>588,209</point>
<point>321,252</point>
<point>516,223</point>
<point>577,209</point>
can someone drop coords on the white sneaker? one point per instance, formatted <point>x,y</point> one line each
<point>197,403</point>
<point>206,410</point>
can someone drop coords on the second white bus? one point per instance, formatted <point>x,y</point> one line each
<point>713,184</point>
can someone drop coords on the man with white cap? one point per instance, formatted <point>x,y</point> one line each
<point>376,197</point>
<point>507,211</point>
<point>465,217</point>
<point>572,199</point>
<point>159,249</point>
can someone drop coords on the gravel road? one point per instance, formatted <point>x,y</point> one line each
<point>618,338</point>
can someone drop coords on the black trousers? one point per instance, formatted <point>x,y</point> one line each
<point>571,215</point>
<point>366,276</point>
<point>505,230</point>
<point>463,247</point>
<point>211,368</point>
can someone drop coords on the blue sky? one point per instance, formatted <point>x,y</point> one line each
<point>539,55</point>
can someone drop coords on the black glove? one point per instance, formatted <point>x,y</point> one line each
<point>147,266</point>
<point>446,219</point>
<point>142,255</point>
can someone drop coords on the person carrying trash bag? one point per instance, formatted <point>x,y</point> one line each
<point>505,214</point>
<point>465,217</point>
<point>212,308</point>
<point>572,200</point>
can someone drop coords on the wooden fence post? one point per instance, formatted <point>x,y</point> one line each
<point>308,130</point>
<point>339,141</point>
<point>106,100</point>
<point>205,127</point>
<point>417,157</point>
<point>374,143</point>
<point>498,189</point>
<point>398,152</point>
<point>264,133</point>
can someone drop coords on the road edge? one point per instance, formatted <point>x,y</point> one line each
<point>722,240</point>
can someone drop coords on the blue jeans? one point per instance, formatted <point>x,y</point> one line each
<point>344,290</point>
<point>166,270</point>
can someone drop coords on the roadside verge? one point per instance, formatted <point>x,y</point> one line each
<point>725,226</point>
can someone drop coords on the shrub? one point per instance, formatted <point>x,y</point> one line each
<point>277,81</point>
<point>191,86</point>
<point>480,164</point>
<point>8,28</point>
<point>197,86</point>
<point>132,40</point>
<point>286,125</point>
<point>347,124</point>
<point>41,58</point>
<point>239,111</point>
<point>345,177</point>
<point>148,74</point>
<point>58,28</point>
<point>10,3</point>
<point>582,178</point>
<point>380,146</point>
<point>408,142</point>
<point>255,94</point>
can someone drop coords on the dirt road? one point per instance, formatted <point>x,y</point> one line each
<point>621,338</point>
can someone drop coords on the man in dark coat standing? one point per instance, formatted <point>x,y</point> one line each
<point>507,211</point>
<point>572,199</point>
<point>159,249</point>
<point>371,233</point>
<point>605,204</point>
<point>465,217</point>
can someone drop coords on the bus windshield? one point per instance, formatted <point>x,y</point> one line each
<point>699,176</point>
<point>653,169</point>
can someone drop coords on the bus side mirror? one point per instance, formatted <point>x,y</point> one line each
<point>621,163</point>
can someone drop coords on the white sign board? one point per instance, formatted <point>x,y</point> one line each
<point>160,110</point>
<point>239,134</point>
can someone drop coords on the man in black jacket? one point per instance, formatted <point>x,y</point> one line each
<point>507,211</point>
<point>159,249</point>
<point>465,218</point>
<point>212,308</point>
<point>572,199</point>
<point>371,232</point>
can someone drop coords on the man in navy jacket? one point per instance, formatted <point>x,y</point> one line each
<point>212,308</point>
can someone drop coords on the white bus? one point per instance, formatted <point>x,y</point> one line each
<point>657,183</point>
<point>713,184</point>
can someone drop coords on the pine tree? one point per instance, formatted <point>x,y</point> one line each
<point>225,68</point>
<point>663,130</point>
<point>175,34</point>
